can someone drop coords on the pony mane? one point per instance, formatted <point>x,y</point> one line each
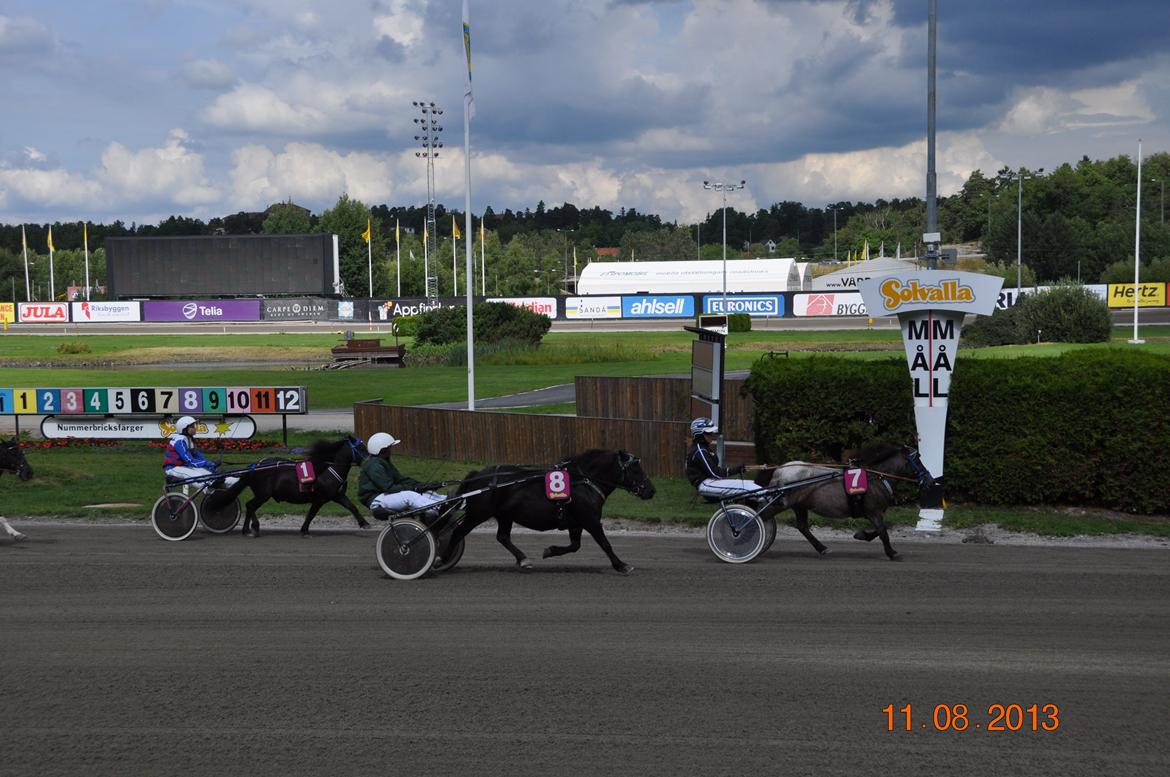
<point>875,453</point>
<point>326,449</point>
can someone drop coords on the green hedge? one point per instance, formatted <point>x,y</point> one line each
<point>1089,427</point>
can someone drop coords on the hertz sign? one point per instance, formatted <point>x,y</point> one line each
<point>1150,295</point>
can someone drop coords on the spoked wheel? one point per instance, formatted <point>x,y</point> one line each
<point>769,533</point>
<point>736,534</point>
<point>405,550</point>
<point>222,520</point>
<point>173,517</point>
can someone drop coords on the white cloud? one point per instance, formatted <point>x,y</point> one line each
<point>49,188</point>
<point>1046,110</point>
<point>307,173</point>
<point>400,24</point>
<point>172,172</point>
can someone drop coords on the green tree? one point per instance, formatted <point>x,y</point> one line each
<point>287,219</point>
<point>348,219</point>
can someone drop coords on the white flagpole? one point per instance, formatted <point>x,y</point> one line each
<point>24,245</point>
<point>1137,249</point>
<point>482,260</point>
<point>468,110</point>
<point>398,261</point>
<point>454,263</point>
<point>85,237</point>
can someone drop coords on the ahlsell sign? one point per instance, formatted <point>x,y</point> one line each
<point>201,310</point>
<point>44,312</point>
<point>931,305</point>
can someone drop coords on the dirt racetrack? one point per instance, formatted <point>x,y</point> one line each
<point>125,655</point>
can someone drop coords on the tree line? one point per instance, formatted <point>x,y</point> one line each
<point>1076,222</point>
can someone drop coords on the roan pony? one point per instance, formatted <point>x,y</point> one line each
<point>828,498</point>
<point>278,479</point>
<point>12,460</point>
<point>517,495</point>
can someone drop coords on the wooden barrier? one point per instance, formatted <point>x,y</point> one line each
<point>660,398</point>
<point>522,438</point>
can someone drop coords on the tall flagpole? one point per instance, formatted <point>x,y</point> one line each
<point>482,260</point>
<point>85,238</point>
<point>454,260</point>
<point>468,111</point>
<point>398,261</point>
<point>24,245</point>
<point>1137,250</point>
<point>52,283</point>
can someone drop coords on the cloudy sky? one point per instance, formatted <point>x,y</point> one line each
<point>140,109</point>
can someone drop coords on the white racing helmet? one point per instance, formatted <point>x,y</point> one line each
<point>182,424</point>
<point>379,442</point>
<point>703,426</point>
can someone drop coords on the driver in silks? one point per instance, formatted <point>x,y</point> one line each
<point>382,486</point>
<point>703,470</point>
<point>183,459</point>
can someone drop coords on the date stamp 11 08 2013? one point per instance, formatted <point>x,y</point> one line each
<point>959,717</point>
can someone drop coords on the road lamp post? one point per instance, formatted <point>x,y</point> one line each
<point>723,189</point>
<point>1020,224</point>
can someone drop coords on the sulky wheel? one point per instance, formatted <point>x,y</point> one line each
<point>174,517</point>
<point>405,550</point>
<point>450,557</point>
<point>222,520</point>
<point>769,533</point>
<point>736,534</point>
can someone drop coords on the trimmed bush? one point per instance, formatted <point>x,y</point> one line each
<point>739,322</point>
<point>494,321</point>
<point>1068,313</point>
<point>406,326</point>
<point>1089,427</point>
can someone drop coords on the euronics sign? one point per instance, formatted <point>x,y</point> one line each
<point>752,304</point>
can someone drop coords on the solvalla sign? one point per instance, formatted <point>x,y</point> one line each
<point>930,306</point>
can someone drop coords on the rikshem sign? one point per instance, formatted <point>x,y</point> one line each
<point>930,306</point>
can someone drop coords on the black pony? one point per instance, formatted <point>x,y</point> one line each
<point>828,497</point>
<point>517,495</point>
<point>278,479</point>
<point>12,460</point>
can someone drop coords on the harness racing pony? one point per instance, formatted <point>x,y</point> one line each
<point>518,495</point>
<point>829,499</point>
<point>281,479</point>
<point>12,460</point>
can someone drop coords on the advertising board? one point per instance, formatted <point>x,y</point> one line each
<point>137,428</point>
<point>829,303</point>
<point>201,310</point>
<point>593,307</point>
<point>771,305</point>
<point>98,312</point>
<point>7,312</point>
<point>653,306</point>
<point>295,309</point>
<point>546,306</point>
<point>43,312</point>
<point>1153,295</point>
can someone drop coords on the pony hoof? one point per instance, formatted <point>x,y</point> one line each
<point>364,525</point>
<point>525,564</point>
<point>625,569</point>
<point>895,557</point>
<point>18,537</point>
<point>547,553</point>
<point>823,552</point>
<point>306,535</point>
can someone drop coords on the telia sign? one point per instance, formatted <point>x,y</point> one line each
<point>201,310</point>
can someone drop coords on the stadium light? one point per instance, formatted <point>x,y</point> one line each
<point>723,189</point>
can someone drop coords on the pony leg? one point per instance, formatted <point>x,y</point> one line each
<point>879,523</point>
<point>313,508</point>
<point>251,522</point>
<point>504,537</point>
<point>560,550</point>
<point>345,502</point>
<point>598,534</point>
<point>11,532</point>
<point>801,523</point>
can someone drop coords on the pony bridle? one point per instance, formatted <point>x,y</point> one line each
<point>914,459</point>
<point>625,461</point>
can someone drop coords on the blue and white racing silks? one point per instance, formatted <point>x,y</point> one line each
<point>180,453</point>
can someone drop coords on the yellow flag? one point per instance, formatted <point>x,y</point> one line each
<point>85,232</point>
<point>366,234</point>
<point>455,229</point>
<point>397,237</point>
<point>50,238</point>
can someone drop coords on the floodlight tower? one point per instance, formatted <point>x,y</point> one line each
<point>429,128</point>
